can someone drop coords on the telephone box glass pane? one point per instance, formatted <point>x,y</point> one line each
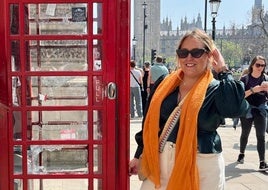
<point>17,129</point>
<point>98,184</point>
<point>57,19</point>
<point>17,159</point>
<point>14,19</point>
<point>59,125</point>
<point>18,184</point>
<point>16,91</point>
<point>15,56</point>
<point>97,18</point>
<point>58,91</point>
<point>98,157</point>
<point>57,55</point>
<point>97,55</point>
<point>60,184</point>
<point>55,159</point>
<point>97,124</point>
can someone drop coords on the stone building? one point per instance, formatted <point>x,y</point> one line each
<point>169,38</point>
<point>161,35</point>
<point>151,26</point>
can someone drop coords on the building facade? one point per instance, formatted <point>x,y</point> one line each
<point>164,36</point>
<point>146,22</point>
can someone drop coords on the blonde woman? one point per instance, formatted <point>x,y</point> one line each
<point>179,145</point>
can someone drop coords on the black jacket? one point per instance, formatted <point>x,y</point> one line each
<point>224,99</point>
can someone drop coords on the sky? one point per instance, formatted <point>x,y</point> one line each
<point>230,12</point>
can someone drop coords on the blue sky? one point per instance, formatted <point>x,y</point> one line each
<point>230,11</point>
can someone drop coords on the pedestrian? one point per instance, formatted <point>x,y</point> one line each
<point>144,93</point>
<point>178,146</point>
<point>136,86</point>
<point>157,70</point>
<point>235,122</point>
<point>256,88</point>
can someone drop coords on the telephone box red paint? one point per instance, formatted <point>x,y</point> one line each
<point>64,88</point>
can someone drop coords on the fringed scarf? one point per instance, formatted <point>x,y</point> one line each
<point>185,171</point>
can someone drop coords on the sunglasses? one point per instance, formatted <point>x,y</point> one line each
<point>196,53</point>
<point>259,65</point>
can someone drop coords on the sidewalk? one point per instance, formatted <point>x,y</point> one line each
<point>238,176</point>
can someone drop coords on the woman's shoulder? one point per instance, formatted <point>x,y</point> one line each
<point>213,83</point>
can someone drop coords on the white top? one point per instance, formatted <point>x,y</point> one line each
<point>137,74</point>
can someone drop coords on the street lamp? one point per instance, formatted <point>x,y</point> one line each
<point>214,6</point>
<point>206,8</point>
<point>134,43</point>
<point>144,5</point>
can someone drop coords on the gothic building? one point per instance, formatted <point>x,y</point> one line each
<point>164,38</point>
<point>250,38</point>
<point>256,10</point>
<point>185,25</point>
<point>169,37</point>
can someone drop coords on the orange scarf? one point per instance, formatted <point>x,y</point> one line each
<point>185,172</point>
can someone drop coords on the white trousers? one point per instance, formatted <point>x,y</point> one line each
<point>211,170</point>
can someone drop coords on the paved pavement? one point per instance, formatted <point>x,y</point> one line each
<point>238,176</point>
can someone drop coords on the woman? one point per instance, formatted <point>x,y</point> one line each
<point>256,88</point>
<point>190,157</point>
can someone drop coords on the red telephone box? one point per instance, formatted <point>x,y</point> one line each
<point>63,114</point>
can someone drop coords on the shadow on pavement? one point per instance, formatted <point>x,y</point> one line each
<point>249,147</point>
<point>232,172</point>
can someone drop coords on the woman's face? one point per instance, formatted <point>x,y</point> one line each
<point>193,66</point>
<point>258,66</point>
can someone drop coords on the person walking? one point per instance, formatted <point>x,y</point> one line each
<point>136,86</point>
<point>157,70</point>
<point>256,88</point>
<point>178,146</point>
<point>144,93</point>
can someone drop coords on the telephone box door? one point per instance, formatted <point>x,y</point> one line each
<point>63,118</point>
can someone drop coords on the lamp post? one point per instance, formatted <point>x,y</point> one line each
<point>214,6</point>
<point>134,43</point>
<point>206,8</point>
<point>144,5</point>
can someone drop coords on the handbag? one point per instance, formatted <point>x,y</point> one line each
<point>137,81</point>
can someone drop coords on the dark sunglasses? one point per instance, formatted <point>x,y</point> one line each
<point>259,65</point>
<point>196,53</point>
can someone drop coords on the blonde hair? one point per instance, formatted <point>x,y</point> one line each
<point>202,36</point>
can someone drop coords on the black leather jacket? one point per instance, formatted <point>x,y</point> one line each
<point>224,99</point>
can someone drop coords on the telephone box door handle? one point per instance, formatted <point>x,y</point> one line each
<point>112,90</point>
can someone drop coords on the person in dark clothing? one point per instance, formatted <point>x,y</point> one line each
<point>144,93</point>
<point>256,88</point>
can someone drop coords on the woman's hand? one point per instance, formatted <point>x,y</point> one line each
<point>218,63</point>
<point>264,86</point>
<point>259,88</point>
<point>133,166</point>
